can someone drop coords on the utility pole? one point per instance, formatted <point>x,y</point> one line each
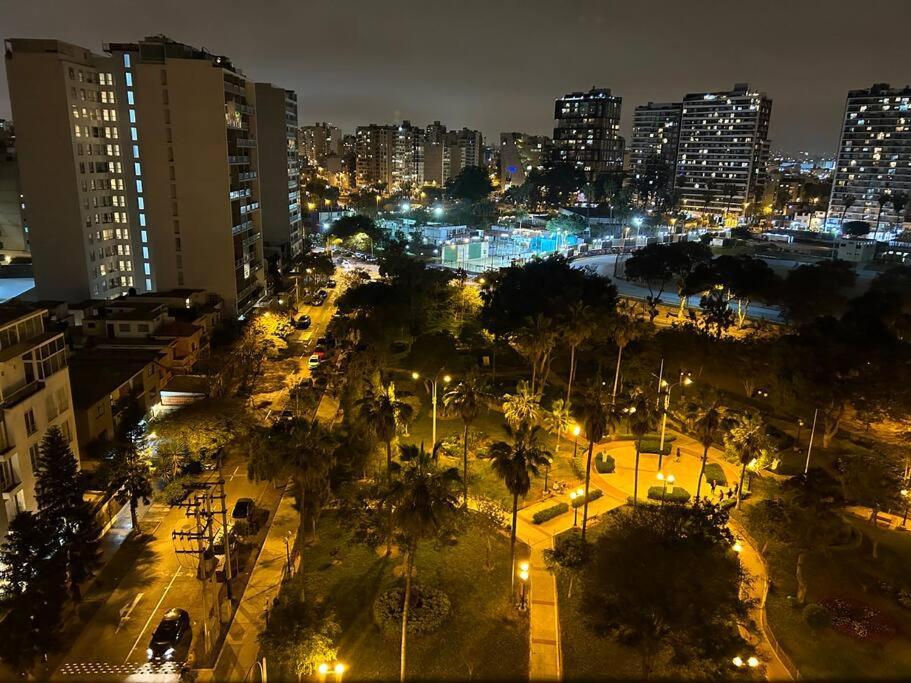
<point>810,446</point>
<point>196,537</point>
<point>229,568</point>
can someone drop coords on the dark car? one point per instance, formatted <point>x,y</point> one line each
<point>244,515</point>
<point>322,294</point>
<point>172,629</point>
<point>331,284</point>
<point>303,322</point>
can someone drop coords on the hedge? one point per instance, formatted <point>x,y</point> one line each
<point>593,494</point>
<point>429,609</point>
<point>604,464</point>
<point>714,473</point>
<point>549,513</point>
<point>651,436</point>
<point>677,494</point>
<point>649,446</point>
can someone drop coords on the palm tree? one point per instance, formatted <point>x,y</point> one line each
<point>576,329</point>
<point>706,426</point>
<point>847,202</point>
<point>626,328</point>
<point>536,340</point>
<point>558,420</point>
<point>882,199</point>
<point>424,503</point>
<point>466,400</point>
<point>899,202</point>
<point>522,409</point>
<point>599,418</point>
<point>747,441</point>
<point>642,412</point>
<point>516,462</point>
<point>383,414</point>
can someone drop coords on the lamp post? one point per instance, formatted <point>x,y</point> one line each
<point>751,662</point>
<point>800,424</point>
<point>576,431</point>
<point>665,480</point>
<point>906,494</point>
<point>434,382</point>
<point>337,669</point>
<point>523,576</point>
<point>578,494</point>
<point>664,388</point>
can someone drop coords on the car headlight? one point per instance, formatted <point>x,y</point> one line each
<point>169,653</point>
<point>149,652</point>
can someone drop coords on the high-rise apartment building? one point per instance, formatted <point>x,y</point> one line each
<point>13,233</point>
<point>279,173</point>
<point>374,150</point>
<point>138,169</point>
<point>35,395</point>
<point>520,154</point>
<point>874,157</point>
<point>471,148</point>
<point>653,146</point>
<point>75,170</point>
<point>587,132</point>
<point>722,151</point>
<point>408,156</point>
<point>318,142</point>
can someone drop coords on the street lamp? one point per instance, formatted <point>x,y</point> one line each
<point>325,668</point>
<point>523,576</point>
<point>750,661</point>
<point>433,394</point>
<point>665,480</point>
<point>578,494</point>
<point>906,495</point>
<point>737,547</point>
<point>664,388</point>
<point>576,431</point>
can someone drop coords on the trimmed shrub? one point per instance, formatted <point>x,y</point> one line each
<point>549,513</point>
<point>651,436</point>
<point>653,446</point>
<point>676,495</point>
<point>604,463</point>
<point>714,473</point>
<point>593,494</point>
<point>817,616</point>
<point>429,608</point>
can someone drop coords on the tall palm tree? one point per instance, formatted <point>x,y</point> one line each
<point>599,418</point>
<point>466,399</point>
<point>847,202</point>
<point>515,462</point>
<point>424,503</point>
<point>383,414</point>
<point>576,329</point>
<point>626,327</point>
<point>706,426</point>
<point>899,202</point>
<point>882,199</point>
<point>523,408</point>
<point>747,441</point>
<point>557,420</point>
<point>642,415</point>
<point>536,340</point>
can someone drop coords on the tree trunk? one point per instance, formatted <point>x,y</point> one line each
<point>705,457</point>
<point>636,476</point>
<point>617,373</point>
<point>134,521</point>
<point>588,474</point>
<point>408,563</point>
<point>487,564</point>
<point>801,579</point>
<point>512,546</point>
<point>465,464</point>
<point>743,471</point>
<point>572,369</point>
<point>389,459</point>
<point>682,309</point>
<point>569,591</point>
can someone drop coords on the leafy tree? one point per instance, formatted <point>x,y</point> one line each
<point>570,554</point>
<point>746,441</point>
<point>424,506</point>
<point>666,577</point>
<point>745,279</point>
<point>515,462</point>
<point>653,265</point>
<point>62,508</point>
<point>872,480</point>
<point>383,414</point>
<point>816,290</point>
<point>471,184</point>
<point>131,474</point>
<point>299,635</point>
<point>715,318</point>
<point>202,428</point>
<point>599,418</point>
<point>32,591</point>
<point>556,185</point>
<point>899,202</point>
<point>571,223</point>
<point>855,228</point>
<point>522,409</point>
<point>352,227</point>
<point>466,399</point>
<point>490,519</point>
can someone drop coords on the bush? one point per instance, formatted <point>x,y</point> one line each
<point>593,494</point>
<point>651,436</point>
<point>653,446</point>
<point>817,616</point>
<point>676,495</point>
<point>604,464</point>
<point>174,493</point>
<point>429,608</point>
<point>549,513</point>
<point>714,473</point>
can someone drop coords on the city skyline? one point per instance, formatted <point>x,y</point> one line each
<point>360,67</point>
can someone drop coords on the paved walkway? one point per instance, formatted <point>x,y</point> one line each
<point>884,520</point>
<point>241,647</point>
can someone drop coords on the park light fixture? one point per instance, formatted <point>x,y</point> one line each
<point>687,380</point>
<point>753,662</point>
<point>671,479</point>
<point>577,430</point>
<point>323,669</point>
<point>438,211</point>
<point>447,378</point>
<point>660,476</point>
<point>737,547</point>
<point>737,661</point>
<point>415,375</point>
<point>339,669</point>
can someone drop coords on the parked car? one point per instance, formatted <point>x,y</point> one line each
<point>303,322</point>
<point>244,516</point>
<point>331,284</point>
<point>314,361</point>
<point>322,294</point>
<point>166,639</point>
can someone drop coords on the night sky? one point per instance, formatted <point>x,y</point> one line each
<point>497,65</point>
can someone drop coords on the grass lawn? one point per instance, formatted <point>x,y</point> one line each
<point>483,636</point>
<point>850,574</point>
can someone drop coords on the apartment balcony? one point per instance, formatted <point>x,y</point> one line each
<point>252,239</point>
<point>10,489</point>
<point>239,194</point>
<point>249,208</point>
<point>237,160</point>
<point>247,143</point>
<point>245,108</point>
<point>246,175</point>
<point>241,227</point>
<point>21,394</point>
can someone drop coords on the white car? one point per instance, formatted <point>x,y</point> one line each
<point>314,361</point>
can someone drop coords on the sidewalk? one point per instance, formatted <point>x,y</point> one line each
<point>241,647</point>
<point>884,520</point>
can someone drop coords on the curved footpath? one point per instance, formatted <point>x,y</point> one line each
<point>545,658</point>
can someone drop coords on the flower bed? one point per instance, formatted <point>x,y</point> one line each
<point>858,621</point>
<point>429,609</point>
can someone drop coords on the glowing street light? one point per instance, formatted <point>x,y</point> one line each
<point>433,396</point>
<point>737,547</point>
<point>576,430</point>
<point>523,576</point>
<point>578,494</point>
<point>438,211</point>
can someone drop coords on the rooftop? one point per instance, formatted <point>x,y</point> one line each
<point>95,374</point>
